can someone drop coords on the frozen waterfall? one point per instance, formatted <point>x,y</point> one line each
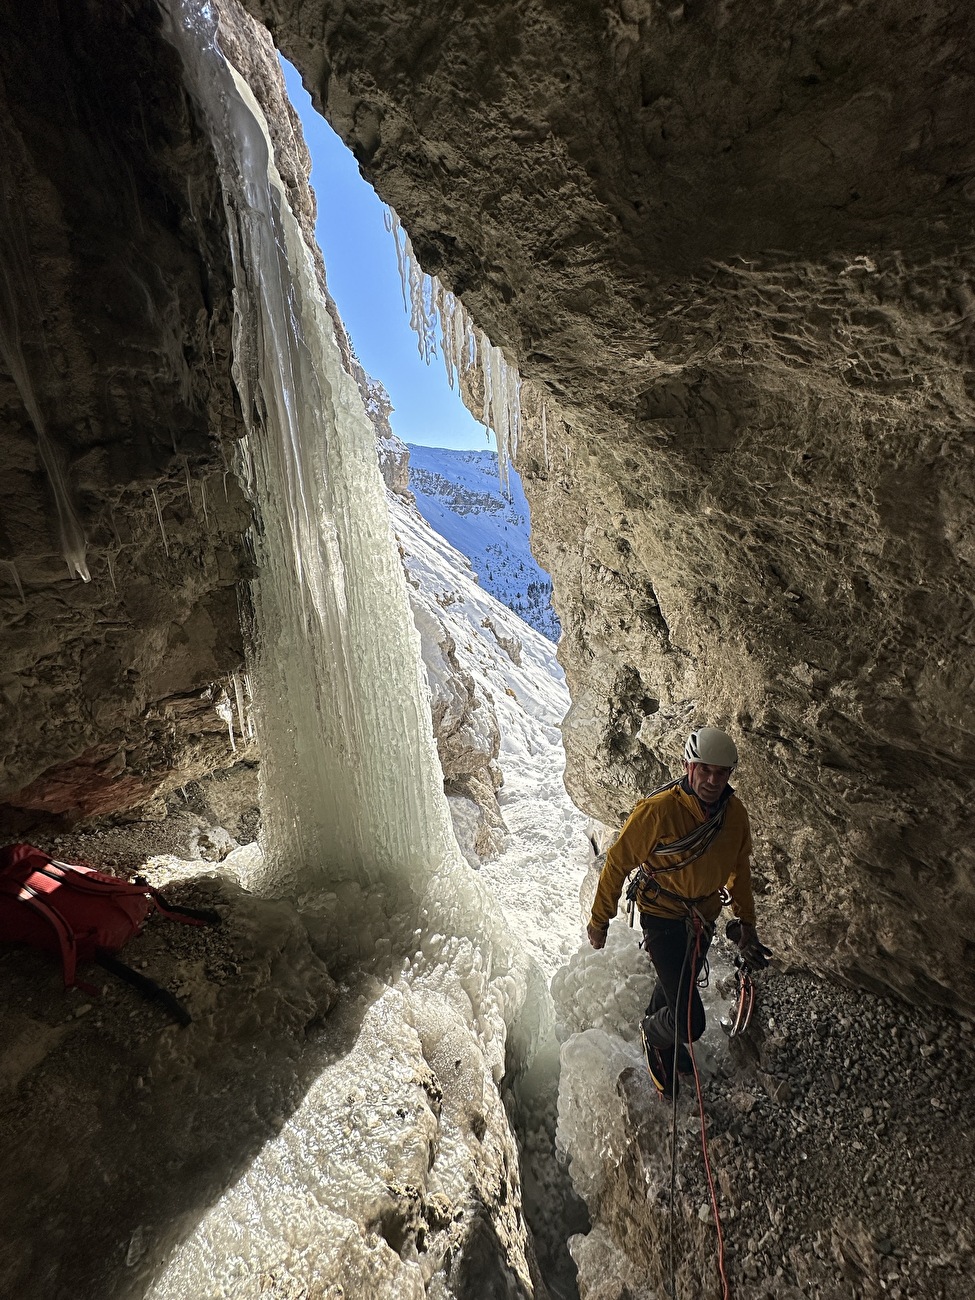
<point>352,787</point>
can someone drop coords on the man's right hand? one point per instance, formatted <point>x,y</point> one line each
<point>596,935</point>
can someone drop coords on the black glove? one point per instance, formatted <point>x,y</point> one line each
<point>753,952</point>
<point>596,935</point>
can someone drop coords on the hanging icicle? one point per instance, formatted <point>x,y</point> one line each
<point>441,323</point>
<point>16,579</point>
<point>351,788</point>
<point>162,526</point>
<point>239,700</point>
<point>225,711</point>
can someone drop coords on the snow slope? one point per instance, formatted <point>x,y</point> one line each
<point>460,495</point>
<point>538,875</point>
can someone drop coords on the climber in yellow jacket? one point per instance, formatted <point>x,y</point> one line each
<point>690,839</point>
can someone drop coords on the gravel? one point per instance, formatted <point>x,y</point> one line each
<point>841,1141</point>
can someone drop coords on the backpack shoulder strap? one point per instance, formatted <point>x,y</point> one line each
<point>175,911</point>
<point>147,987</point>
<point>89,881</point>
<point>92,882</point>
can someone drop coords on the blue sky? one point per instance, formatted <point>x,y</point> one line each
<point>360,262</point>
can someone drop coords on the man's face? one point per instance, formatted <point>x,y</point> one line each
<point>707,781</point>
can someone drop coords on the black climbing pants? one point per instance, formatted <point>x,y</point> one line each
<point>670,944</point>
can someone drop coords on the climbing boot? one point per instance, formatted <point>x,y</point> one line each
<point>660,1066</point>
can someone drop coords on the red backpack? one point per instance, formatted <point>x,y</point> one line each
<point>83,915</point>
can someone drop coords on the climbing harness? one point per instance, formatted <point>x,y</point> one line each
<point>690,847</point>
<point>744,984</point>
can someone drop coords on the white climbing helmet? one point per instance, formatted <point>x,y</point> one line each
<point>711,745</point>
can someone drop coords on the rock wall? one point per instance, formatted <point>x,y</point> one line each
<point>731,252</point>
<point>117,415</point>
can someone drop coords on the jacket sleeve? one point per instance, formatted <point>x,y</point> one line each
<point>739,882</point>
<point>632,847</point>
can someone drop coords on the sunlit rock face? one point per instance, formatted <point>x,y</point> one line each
<point>732,250</point>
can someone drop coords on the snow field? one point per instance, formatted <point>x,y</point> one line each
<point>460,495</point>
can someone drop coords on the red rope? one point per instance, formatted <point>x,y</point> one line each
<point>725,1287</point>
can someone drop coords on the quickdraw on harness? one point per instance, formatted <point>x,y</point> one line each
<point>744,999</point>
<point>744,986</point>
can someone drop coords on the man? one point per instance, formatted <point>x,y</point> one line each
<point>690,840</point>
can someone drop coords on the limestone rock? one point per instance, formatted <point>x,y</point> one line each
<point>117,412</point>
<point>465,726</point>
<point>733,260</point>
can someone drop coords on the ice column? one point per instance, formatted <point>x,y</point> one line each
<point>352,789</point>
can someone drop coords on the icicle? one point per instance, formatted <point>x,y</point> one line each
<point>186,797</point>
<point>162,526</point>
<point>203,502</point>
<point>513,398</point>
<point>499,406</point>
<point>351,786</point>
<point>189,483</point>
<point>16,254</point>
<point>16,577</point>
<point>111,570</point>
<point>439,320</point>
<point>73,543</point>
<point>223,710</point>
<point>239,698</point>
<point>484,350</point>
<point>250,709</point>
<point>460,331</point>
<point>396,230</point>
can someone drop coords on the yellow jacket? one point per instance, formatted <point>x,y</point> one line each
<point>660,820</point>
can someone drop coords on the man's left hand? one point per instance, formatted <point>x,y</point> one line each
<point>753,951</point>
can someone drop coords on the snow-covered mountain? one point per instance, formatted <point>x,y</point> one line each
<point>459,493</point>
